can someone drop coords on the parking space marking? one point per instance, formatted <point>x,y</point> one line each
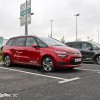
<point>62,80</point>
<point>69,80</point>
<point>98,71</point>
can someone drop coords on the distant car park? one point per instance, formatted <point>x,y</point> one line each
<point>90,51</point>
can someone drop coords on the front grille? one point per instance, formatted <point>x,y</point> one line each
<point>75,63</point>
<point>62,63</point>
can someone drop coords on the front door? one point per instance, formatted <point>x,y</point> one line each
<point>31,52</point>
<point>87,51</point>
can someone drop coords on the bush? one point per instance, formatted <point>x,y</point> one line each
<point>0,55</point>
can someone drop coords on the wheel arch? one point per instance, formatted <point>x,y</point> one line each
<point>94,58</point>
<point>9,55</point>
<point>47,56</point>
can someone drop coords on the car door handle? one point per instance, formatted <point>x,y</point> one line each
<point>19,52</point>
<point>12,49</point>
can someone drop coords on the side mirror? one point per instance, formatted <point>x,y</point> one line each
<point>35,46</point>
<point>91,49</point>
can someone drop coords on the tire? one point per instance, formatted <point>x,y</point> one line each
<point>7,61</point>
<point>71,68</point>
<point>98,59</point>
<point>48,64</point>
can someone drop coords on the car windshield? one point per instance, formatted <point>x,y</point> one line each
<point>95,45</point>
<point>51,41</point>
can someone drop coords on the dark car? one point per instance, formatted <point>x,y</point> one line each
<point>90,51</point>
<point>40,51</point>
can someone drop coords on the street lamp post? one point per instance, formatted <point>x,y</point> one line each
<point>98,36</point>
<point>76,24</point>
<point>51,27</point>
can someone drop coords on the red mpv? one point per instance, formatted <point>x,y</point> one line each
<point>45,52</point>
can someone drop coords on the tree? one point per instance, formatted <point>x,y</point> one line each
<point>63,39</point>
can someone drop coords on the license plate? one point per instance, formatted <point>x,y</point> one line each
<point>78,60</point>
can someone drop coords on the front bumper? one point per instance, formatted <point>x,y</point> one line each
<point>71,61</point>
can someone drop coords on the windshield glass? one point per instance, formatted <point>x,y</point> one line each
<point>51,42</point>
<point>95,45</point>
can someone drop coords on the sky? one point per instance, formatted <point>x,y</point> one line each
<point>60,11</point>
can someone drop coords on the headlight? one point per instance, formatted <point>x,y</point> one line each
<point>61,54</point>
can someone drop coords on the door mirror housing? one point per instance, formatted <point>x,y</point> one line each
<point>91,49</point>
<point>35,45</point>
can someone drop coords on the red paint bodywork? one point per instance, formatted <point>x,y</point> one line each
<point>34,56</point>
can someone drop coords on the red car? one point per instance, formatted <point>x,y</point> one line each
<point>40,51</point>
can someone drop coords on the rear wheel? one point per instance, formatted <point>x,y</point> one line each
<point>48,64</point>
<point>98,59</point>
<point>7,61</point>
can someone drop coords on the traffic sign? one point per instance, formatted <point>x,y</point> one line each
<point>25,12</point>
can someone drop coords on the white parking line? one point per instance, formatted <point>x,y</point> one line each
<point>98,71</point>
<point>63,80</point>
<point>69,80</point>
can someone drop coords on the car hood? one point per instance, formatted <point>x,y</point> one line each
<point>64,48</point>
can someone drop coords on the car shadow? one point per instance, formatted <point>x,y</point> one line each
<point>40,70</point>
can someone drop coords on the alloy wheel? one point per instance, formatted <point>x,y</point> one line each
<point>7,60</point>
<point>48,64</point>
<point>98,60</point>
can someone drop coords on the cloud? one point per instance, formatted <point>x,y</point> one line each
<point>60,11</point>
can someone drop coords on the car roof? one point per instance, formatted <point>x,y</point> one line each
<point>78,41</point>
<point>22,36</point>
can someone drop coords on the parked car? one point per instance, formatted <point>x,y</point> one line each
<point>40,51</point>
<point>90,51</point>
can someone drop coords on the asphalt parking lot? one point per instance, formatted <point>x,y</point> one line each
<point>30,83</point>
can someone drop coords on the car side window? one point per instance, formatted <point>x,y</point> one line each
<point>76,45</point>
<point>20,41</point>
<point>30,41</point>
<point>86,46</point>
<point>40,43</point>
<point>10,42</point>
<point>68,44</point>
<point>94,47</point>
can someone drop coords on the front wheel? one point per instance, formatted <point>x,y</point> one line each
<point>48,64</point>
<point>7,61</point>
<point>98,59</point>
<point>71,68</point>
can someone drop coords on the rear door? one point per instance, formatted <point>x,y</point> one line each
<point>19,48</point>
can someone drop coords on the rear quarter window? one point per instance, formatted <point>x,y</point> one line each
<point>10,42</point>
